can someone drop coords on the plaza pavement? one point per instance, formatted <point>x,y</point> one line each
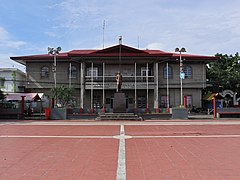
<point>106,150</point>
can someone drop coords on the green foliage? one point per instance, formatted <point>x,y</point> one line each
<point>225,73</point>
<point>62,95</point>
<point>2,96</point>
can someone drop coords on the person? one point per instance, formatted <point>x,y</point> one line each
<point>119,81</point>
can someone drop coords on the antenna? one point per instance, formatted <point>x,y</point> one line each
<point>103,31</point>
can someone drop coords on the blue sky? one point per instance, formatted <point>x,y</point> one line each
<point>203,27</point>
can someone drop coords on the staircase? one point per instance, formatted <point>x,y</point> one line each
<point>119,116</point>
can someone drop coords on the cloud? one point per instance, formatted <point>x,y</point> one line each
<point>6,62</point>
<point>6,41</point>
<point>155,46</point>
<point>76,14</point>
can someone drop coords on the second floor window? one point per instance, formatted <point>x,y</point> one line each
<point>44,72</point>
<point>73,73</point>
<point>92,71</point>
<point>188,72</point>
<point>144,71</point>
<point>169,72</point>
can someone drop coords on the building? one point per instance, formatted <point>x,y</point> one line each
<point>150,77</point>
<point>12,80</point>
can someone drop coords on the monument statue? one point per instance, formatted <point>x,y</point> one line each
<point>119,81</point>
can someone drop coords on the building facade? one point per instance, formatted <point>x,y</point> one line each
<point>12,80</point>
<point>150,78</point>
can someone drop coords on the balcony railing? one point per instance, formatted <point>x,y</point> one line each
<point>124,79</point>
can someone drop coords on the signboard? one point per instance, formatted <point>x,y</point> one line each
<point>182,75</point>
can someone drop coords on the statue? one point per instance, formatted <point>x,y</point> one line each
<point>119,81</point>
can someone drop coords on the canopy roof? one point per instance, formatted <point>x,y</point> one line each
<point>28,96</point>
<point>209,96</point>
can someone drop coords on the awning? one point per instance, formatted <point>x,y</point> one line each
<point>28,96</point>
<point>209,96</point>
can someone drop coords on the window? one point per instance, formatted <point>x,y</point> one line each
<point>73,73</point>
<point>142,101</point>
<point>189,101</point>
<point>144,71</point>
<point>96,102</point>
<point>108,101</point>
<point>188,72</point>
<point>130,101</point>
<point>94,70</point>
<point>169,72</point>
<point>163,102</point>
<point>45,72</point>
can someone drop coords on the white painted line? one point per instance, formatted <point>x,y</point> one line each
<point>67,137</point>
<point>121,168</point>
<point>123,136</point>
<point>192,136</point>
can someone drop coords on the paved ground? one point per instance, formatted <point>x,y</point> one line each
<point>199,149</point>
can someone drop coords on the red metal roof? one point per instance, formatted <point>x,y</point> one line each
<point>194,57</point>
<point>28,96</point>
<point>113,51</point>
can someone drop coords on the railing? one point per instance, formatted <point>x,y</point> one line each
<point>124,79</point>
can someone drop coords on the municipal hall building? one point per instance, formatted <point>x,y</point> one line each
<point>150,78</point>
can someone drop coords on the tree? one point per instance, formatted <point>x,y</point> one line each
<point>63,94</point>
<point>2,96</point>
<point>225,73</point>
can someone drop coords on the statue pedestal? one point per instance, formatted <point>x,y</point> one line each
<point>119,103</point>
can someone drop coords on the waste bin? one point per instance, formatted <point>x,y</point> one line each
<point>47,113</point>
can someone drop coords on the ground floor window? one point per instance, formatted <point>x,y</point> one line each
<point>189,101</point>
<point>163,101</point>
<point>96,102</point>
<point>142,101</point>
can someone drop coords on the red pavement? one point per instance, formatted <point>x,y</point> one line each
<point>172,154</point>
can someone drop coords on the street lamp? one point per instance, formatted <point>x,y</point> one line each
<point>182,75</point>
<point>54,52</point>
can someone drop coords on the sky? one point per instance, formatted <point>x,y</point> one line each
<point>205,27</point>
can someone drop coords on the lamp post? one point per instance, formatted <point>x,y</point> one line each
<point>54,52</point>
<point>182,75</point>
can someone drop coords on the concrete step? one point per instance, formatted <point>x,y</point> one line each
<point>118,116</point>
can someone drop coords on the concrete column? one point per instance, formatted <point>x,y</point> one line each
<point>103,99</point>
<point>156,104</point>
<point>22,106</point>
<point>82,82</point>
<point>214,107</point>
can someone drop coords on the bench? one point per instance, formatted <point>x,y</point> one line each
<point>228,113</point>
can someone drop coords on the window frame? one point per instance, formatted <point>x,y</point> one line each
<point>89,71</point>
<point>188,72</point>
<point>44,74</point>
<point>170,72</point>
<point>74,72</point>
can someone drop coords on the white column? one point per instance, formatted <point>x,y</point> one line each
<point>82,91</point>
<point>156,104</point>
<point>91,105</point>
<point>103,87</point>
<point>135,86</point>
<point>147,87</point>
<point>70,75</point>
<point>167,89</point>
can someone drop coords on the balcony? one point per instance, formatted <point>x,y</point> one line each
<point>128,82</point>
<point>124,79</point>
